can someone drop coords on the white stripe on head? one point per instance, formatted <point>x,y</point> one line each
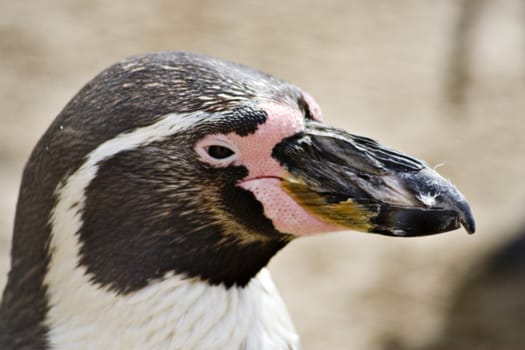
<point>175,312</point>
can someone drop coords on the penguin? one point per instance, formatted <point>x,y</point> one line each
<point>150,207</point>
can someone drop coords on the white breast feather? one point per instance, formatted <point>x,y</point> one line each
<point>171,313</point>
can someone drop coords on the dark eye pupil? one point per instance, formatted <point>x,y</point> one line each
<point>219,152</point>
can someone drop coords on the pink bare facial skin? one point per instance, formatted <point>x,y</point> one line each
<point>264,173</point>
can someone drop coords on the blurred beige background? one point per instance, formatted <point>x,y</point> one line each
<point>441,80</point>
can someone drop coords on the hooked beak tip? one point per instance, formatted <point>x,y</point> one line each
<point>466,218</point>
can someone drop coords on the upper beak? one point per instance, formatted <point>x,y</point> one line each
<point>354,182</point>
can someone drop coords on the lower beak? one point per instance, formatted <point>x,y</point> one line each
<point>354,182</point>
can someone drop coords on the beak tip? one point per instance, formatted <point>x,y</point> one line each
<point>467,220</point>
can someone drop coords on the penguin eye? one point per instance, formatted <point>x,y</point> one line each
<point>219,152</point>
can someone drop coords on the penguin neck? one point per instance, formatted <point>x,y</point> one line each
<point>175,313</point>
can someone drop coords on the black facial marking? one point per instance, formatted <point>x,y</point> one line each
<point>243,205</point>
<point>163,217</point>
<point>242,120</point>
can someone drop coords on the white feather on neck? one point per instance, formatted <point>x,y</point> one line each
<point>174,313</point>
<point>171,313</point>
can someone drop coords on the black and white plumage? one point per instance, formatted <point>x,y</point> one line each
<point>150,207</point>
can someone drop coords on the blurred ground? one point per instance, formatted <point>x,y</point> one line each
<point>382,69</point>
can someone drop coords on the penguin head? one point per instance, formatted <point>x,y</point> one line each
<point>176,162</point>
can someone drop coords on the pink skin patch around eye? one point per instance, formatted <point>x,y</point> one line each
<point>265,172</point>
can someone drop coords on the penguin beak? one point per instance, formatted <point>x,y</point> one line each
<point>356,183</point>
